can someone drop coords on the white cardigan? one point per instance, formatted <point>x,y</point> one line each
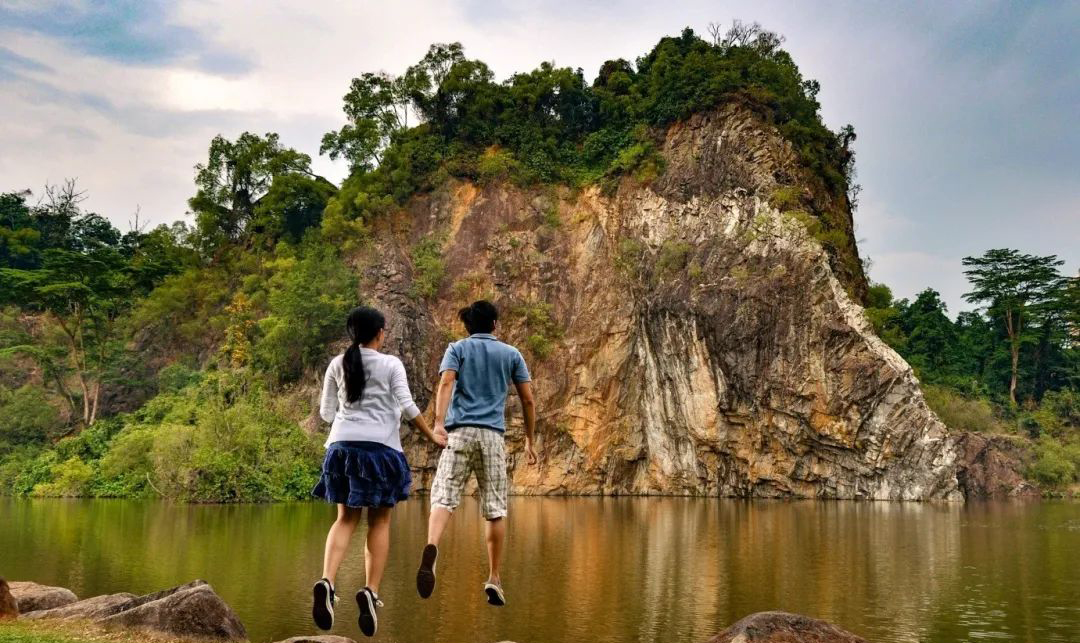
<point>376,416</point>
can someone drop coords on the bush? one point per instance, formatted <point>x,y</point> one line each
<point>673,256</point>
<point>1056,464</point>
<point>27,417</point>
<point>962,413</point>
<point>540,326</point>
<point>309,298</point>
<point>67,479</point>
<point>428,267</point>
<point>495,164</point>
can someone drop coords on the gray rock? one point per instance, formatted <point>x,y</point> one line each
<point>32,596</point>
<point>782,627</point>
<point>191,611</point>
<point>88,609</point>
<point>9,607</point>
<point>702,339</point>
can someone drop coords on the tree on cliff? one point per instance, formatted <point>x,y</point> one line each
<point>1020,290</point>
<point>236,175</point>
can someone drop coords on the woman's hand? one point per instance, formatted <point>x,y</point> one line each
<point>438,436</point>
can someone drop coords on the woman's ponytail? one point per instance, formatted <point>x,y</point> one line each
<point>364,324</point>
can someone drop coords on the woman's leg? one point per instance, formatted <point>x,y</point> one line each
<point>378,545</point>
<point>337,540</point>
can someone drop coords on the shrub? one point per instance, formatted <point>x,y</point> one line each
<point>786,197</point>
<point>628,256</point>
<point>540,327</point>
<point>673,256</point>
<point>1056,464</point>
<point>428,267</point>
<point>962,413</point>
<point>495,164</point>
<point>67,479</point>
<point>27,417</point>
<point>308,300</point>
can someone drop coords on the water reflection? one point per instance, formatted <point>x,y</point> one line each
<point>597,569</point>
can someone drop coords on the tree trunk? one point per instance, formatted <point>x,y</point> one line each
<point>1015,349</point>
<point>97,396</point>
<point>1012,327</point>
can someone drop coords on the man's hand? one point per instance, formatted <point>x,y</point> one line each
<point>439,435</point>
<point>530,453</point>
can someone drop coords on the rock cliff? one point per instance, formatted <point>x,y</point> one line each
<point>689,335</point>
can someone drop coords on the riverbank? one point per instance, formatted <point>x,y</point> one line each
<point>93,620</point>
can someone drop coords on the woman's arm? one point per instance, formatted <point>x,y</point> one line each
<point>399,384</point>
<point>328,405</point>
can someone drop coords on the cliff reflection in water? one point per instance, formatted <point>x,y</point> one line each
<point>599,569</point>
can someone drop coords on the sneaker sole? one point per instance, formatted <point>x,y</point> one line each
<point>425,576</point>
<point>369,622</point>
<point>493,597</point>
<point>321,610</point>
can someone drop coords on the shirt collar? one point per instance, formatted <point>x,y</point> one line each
<point>482,336</point>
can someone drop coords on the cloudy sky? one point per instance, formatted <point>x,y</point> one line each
<point>966,112</point>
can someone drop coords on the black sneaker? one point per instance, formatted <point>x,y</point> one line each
<point>322,607</point>
<point>425,576</point>
<point>495,594</point>
<point>369,602</point>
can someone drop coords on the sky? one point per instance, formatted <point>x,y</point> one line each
<point>966,113</point>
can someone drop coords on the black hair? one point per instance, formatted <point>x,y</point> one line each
<point>479,317</point>
<point>364,324</point>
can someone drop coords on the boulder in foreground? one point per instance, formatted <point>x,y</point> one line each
<point>87,609</point>
<point>191,611</point>
<point>31,596</point>
<point>782,627</point>
<point>9,607</point>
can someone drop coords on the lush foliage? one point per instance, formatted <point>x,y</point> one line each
<point>218,439</point>
<point>1012,366</point>
<point>447,116</point>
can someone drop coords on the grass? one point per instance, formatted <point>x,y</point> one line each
<point>71,632</point>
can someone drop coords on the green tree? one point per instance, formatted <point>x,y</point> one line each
<point>236,175</point>
<point>1017,289</point>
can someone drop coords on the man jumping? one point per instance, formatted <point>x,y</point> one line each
<point>470,407</point>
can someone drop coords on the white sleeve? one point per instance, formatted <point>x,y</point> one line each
<point>328,405</point>
<point>399,384</point>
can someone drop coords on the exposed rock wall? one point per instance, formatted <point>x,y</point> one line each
<point>685,337</point>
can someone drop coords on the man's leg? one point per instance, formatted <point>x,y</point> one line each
<point>436,524</point>
<point>496,535</point>
<point>446,490</point>
<point>494,486</point>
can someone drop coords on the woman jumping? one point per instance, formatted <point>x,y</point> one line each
<point>365,393</point>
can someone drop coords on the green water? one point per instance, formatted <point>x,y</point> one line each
<point>593,569</point>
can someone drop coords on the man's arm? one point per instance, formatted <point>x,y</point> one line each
<point>528,408</point>
<point>442,399</point>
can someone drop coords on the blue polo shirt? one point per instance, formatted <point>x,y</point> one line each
<point>485,367</point>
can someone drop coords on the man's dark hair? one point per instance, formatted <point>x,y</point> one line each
<point>479,317</point>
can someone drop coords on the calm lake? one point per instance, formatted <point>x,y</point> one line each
<point>593,569</point>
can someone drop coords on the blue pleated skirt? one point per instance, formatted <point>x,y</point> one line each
<point>363,474</point>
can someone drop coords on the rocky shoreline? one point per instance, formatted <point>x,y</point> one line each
<point>194,612</point>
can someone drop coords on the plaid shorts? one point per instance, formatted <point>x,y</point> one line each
<point>472,449</point>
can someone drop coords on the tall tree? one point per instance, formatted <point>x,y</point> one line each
<point>235,176</point>
<point>380,105</point>
<point>1016,288</point>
